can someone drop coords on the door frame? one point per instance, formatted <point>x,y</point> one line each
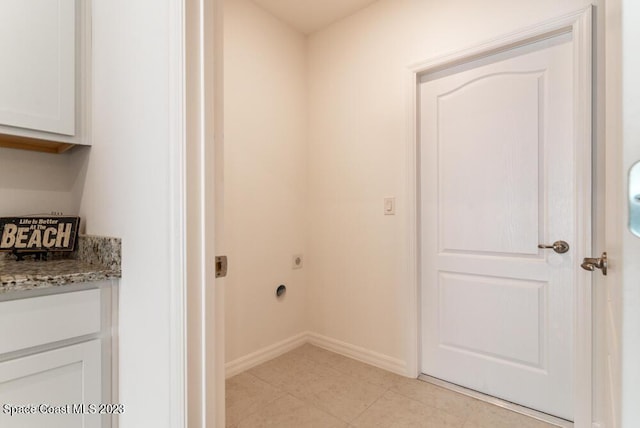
<point>579,24</point>
<point>197,300</point>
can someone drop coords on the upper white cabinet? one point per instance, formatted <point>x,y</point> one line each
<point>37,77</point>
<point>44,72</point>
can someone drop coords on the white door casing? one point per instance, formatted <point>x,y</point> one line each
<point>203,193</point>
<point>480,227</point>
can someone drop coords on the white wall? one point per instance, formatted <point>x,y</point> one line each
<point>126,193</point>
<point>358,281</point>
<point>265,178</point>
<point>39,183</point>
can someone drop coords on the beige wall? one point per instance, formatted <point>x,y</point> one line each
<point>265,178</point>
<point>359,286</point>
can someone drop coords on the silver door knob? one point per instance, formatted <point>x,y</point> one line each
<point>591,264</point>
<point>559,247</point>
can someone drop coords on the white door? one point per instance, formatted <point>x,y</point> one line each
<point>497,178</point>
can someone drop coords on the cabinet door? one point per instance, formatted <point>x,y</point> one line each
<point>37,76</point>
<point>51,382</point>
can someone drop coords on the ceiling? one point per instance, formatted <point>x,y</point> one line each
<point>308,16</point>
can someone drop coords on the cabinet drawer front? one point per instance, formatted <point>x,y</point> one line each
<point>40,320</point>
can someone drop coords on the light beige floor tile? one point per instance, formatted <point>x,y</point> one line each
<point>289,412</point>
<point>347,365</point>
<point>246,394</point>
<point>368,373</point>
<point>435,396</point>
<point>344,396</point>
<point>319,384</point>
<point>297,376</point>
<point>393,410</point>
<point>485,415</point>
<point>355,393</point>
<point>290,361</point>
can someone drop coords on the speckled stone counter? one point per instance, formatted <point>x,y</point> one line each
<point>95,259</point>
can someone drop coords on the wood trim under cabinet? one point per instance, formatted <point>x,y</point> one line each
<point>33,144</point>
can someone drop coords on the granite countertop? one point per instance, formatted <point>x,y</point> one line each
<point>96,258</point>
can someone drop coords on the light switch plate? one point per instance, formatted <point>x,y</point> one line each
<point>389,206</point>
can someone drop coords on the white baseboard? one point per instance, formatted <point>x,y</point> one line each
<point>373,358</point>
<point>260,356</point>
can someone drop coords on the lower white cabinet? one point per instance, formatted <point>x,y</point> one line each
<point>60,388</point>
<point>56,354</point>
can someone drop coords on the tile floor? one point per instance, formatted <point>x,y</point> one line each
<point>310,387</point>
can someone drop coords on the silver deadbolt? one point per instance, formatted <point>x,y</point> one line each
<point>559,247</point>
<point>592,263</point>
